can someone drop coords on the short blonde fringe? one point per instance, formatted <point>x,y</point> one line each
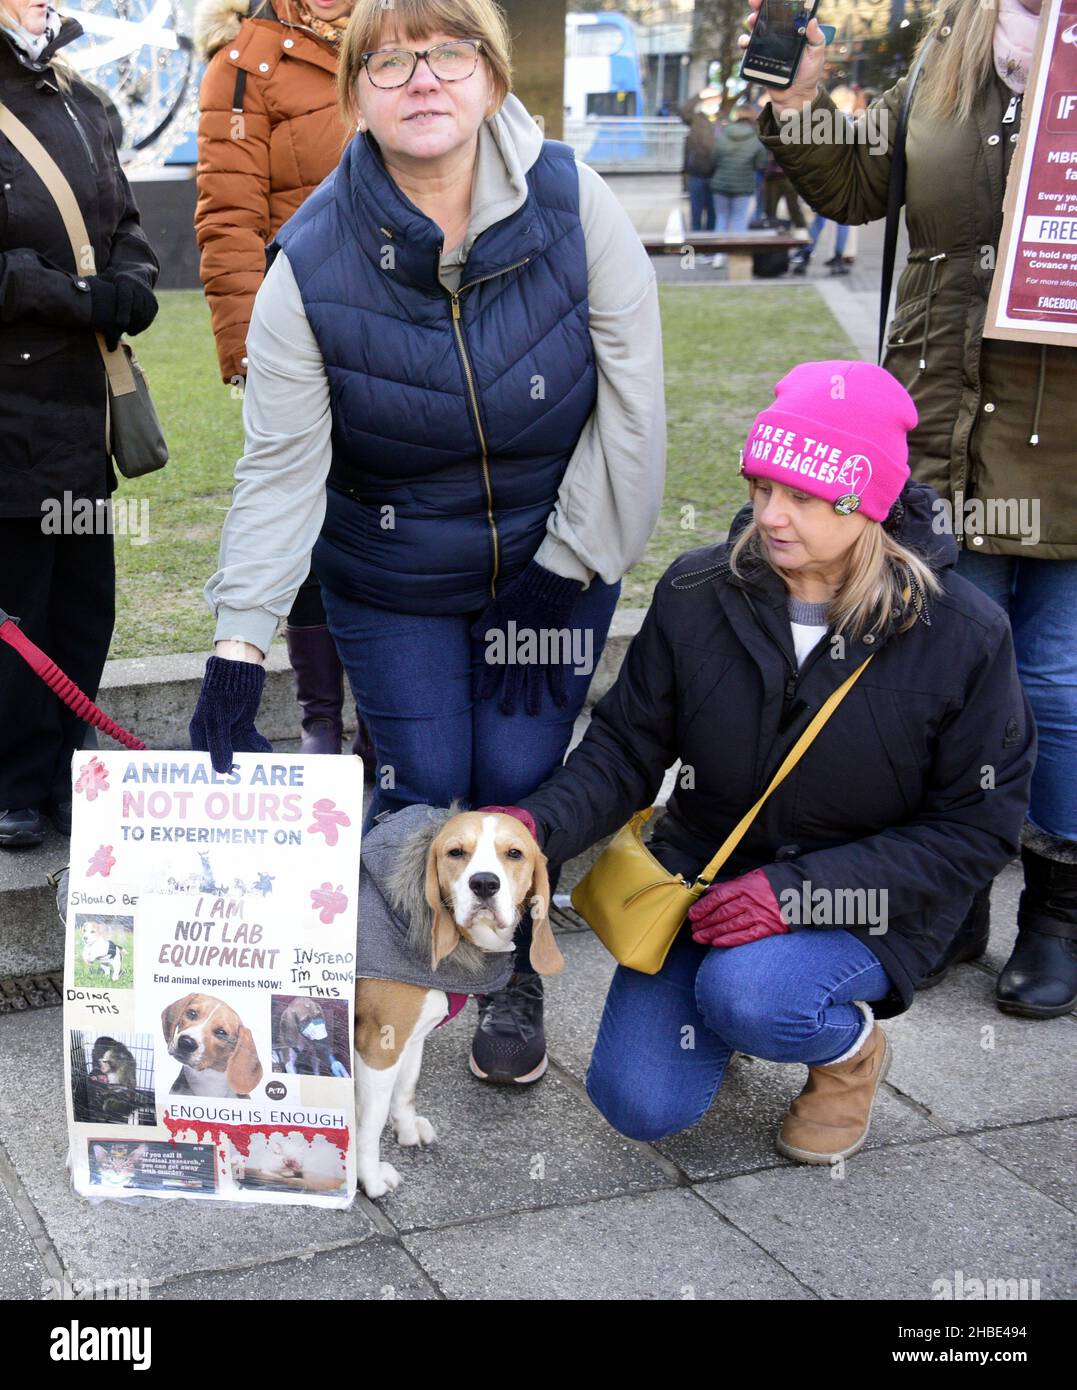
<point>413,20</point>
<point>882,577</point>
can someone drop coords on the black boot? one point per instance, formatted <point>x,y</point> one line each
<point>319,687</point>
<point>969,943</point>
<point>1040,979</point>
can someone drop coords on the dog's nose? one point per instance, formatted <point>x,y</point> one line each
<point>484,885</point>
<point>185,1043</point>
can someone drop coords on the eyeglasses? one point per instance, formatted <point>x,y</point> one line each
<point>449,62</point>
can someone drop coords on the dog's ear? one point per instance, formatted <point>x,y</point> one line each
<point>244,1070</point>
<point>170,1016</point>
<point>444,934</point>
<point>546,958</point>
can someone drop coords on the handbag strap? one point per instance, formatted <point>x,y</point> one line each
<point>794,756</point>
<point>120,377</point>
<point>895,195</point>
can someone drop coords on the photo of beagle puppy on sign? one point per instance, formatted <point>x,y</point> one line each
<point>441,896</point>
<point>215,1047</point>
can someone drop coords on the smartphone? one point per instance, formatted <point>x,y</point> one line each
<point>778,38</point>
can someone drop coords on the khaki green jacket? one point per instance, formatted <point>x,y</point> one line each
<point>982,402</point>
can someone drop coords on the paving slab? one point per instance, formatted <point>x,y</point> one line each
<point>142,1238</point>
<point>1039,1154</point>
<point>737,1134</point>
<point>377,1269</point>
<point>503,1149</point>
<point>902,1218</point>
<point>665,1245</point>
<point>973,1067</point>
<point>22,1272</point>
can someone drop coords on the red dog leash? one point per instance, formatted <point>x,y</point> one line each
<point>62,685</point>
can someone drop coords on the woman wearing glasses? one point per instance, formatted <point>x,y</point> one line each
<point>269,132</point>
<point>454,399</point>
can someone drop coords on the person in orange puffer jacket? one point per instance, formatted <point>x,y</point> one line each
<point>269,132</point>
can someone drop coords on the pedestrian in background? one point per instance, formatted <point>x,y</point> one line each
<point>700,114</point>
<point>738,158</point>
<point>53,442</point>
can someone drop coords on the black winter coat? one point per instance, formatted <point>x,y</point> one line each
<point>52,379</point>
<point>892,792</point>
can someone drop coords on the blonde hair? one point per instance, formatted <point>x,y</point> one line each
<point>464,19</point>
<point>950,83</point>
<point>883,578</point>
<point>65,73</point>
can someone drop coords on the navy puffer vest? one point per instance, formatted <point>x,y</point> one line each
<point>454,416</point>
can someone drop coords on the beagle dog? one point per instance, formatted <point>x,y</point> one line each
<point>482,870</point>
<point>303,1037</point>
<point>216,1048</point>
<point>98,948</point>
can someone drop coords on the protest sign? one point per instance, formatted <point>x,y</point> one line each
<point>1034,290</point>
<point>210,976</point>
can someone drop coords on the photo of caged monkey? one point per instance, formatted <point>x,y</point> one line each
<point>112,1078</point>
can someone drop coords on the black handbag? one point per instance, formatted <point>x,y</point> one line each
<point>133,434</point>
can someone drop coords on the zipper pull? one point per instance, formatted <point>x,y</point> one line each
<point>455,306</point>
<point>1011,111</point>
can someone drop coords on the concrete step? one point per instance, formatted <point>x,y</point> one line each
<point>154,697</point>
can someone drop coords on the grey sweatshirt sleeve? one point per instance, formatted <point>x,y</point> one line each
<point>610,495</point>
<point>278,505</point>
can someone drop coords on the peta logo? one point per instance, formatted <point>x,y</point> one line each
<point>77,1343</point>
<point>855,473</point>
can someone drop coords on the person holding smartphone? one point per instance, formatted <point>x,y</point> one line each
<point>997,418</point>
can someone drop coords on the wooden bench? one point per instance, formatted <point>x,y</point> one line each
<point>738,246</point>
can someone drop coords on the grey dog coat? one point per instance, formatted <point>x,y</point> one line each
<point>391,946</point>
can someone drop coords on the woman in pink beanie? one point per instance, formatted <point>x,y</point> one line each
<point>860,867</point>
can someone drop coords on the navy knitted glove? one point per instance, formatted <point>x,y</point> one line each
<point>536,600</point>
<point>223,719</point>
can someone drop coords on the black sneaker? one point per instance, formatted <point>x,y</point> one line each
<point>510,1044</point>
<point>21,829</point>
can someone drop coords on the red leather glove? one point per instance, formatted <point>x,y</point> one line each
<point>738,911</point>
<point>524,817</point>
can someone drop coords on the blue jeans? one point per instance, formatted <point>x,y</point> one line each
<point>1040,598</point>
<point>665,1040</point>
<point>701,200</point>
<point>413,680</point>
<point>731,212</point>
<point>841,235</point>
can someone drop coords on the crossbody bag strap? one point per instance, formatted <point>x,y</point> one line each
<point>48,171</point>
<point>895,195</point>
<point>794,756</point>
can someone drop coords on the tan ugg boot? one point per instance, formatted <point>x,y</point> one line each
<point>831,1117</point>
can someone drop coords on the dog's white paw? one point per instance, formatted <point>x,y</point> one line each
<point>384,1179</point>
<point>411,1130</point>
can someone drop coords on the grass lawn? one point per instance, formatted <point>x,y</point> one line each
<point>724,350</point>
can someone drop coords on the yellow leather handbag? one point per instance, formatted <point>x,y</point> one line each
<point>635,906</point>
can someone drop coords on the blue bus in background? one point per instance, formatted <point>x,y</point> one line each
<point>603,82</point>
<point>602,74</point>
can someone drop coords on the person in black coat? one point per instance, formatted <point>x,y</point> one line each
<point>52,403</point>
<point>860,867</point>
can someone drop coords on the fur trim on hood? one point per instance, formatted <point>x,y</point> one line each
<point>216,22</point>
